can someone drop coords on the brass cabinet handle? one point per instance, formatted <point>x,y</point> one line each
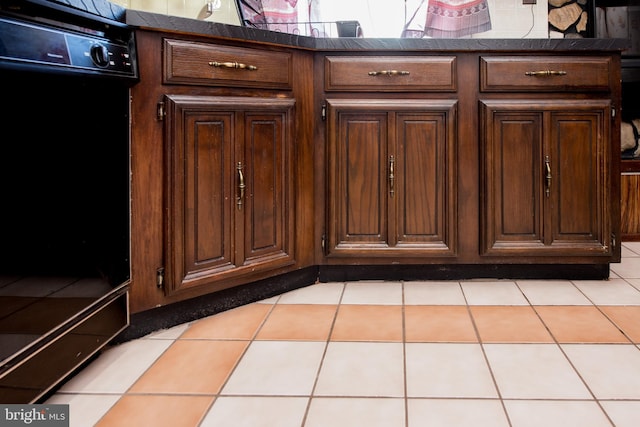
<point>545,73</point>
<point>547,167</point>
<point>241,185</point>
<point>236,65</point>
<point>389,73</point>
<point>392,175</point>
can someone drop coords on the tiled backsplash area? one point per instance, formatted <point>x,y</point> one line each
<point>509,18</point>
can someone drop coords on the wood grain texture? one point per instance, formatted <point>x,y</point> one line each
<point>630,207</point>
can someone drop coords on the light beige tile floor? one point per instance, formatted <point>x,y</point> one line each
<point>513,353</point>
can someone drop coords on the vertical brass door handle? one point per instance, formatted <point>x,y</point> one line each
<point>241,186</point>
<point>547,168</point>
<point>392,174</point>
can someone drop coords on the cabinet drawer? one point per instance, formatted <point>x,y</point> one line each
<point>544,73</point>
<point>212,65</point>
<point>390,73</point>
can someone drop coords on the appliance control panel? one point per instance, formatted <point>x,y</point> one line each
<point>27,43</point>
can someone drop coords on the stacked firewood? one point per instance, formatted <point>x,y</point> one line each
<point>569,17</point>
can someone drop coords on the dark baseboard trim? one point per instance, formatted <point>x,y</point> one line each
<point>341,273</point>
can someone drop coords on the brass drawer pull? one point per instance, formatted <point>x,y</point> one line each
<point>236,65</point>
<point>389,73</point>
<point>545,73</point>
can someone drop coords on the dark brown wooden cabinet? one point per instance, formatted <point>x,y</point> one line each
<point>548,141</point>
<point>391,177</point>
<point>222,169</point>
<point>259,164</point>
<point>544,166</point>
<point>229,188</point>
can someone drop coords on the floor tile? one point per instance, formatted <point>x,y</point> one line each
<point>456,413</point>
<point>356,412</point>
<point>269,301</point>
<point>285,368</point>
<point>611,292</point>
<point>191,366</point>
<point>629,268</point>
<point>85,409</point>
<point>260,411</point>
<point>304,322</point>
<point>622,413</point>
<point>157,411</point>
<point>239,323</point>
<point>332,354</point>
<point>509,324</point>
<point>574,324</point>
<point>626,318</point>
<point>373,293</point>
<point>555,413</point>
<point>533,371</point>
<point>362,369</point>
<point>433,293</point>
<point>634,282</point>
<point>368,323</point>
<point>552,292</point>
<point>117,368</point>
<point>168,334</point>
<point>448,370</point>
<point>493,293</point>
<point>610,371</point>
<point>319,293</point>
<point>438,323</point>
<point>627,251</point>
<point>632,246</point>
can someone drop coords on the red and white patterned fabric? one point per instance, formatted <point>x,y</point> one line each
<point>276,15</point>
<point>449,19</point>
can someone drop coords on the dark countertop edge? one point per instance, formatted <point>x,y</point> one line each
<point>159,22</point>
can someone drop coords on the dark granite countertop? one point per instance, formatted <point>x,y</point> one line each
<point>102,8</point>
<point>169,23</point>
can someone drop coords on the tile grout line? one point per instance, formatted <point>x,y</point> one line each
<point>404,355</point>
<point>249,341</point>
<point>322,359</point>
<point>559,346</point>
<point>484,355</point>
<point>126,392</point>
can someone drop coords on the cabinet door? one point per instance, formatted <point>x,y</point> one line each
<point>545,170</point>
<point>423,192</point>
<point>266,167</point>
<point>391,180</point>
<point>357,182</point>
<point>228,188</point>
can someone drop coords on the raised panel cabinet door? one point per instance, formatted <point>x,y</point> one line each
<point>545,167</point>
<point>391,177</point>
<point>358,180</point>
<point>580,164</point>
<point>423,205</point>
<point>512,215</point>
<point>200,221</point>
<point>266,167</point>
<point>229,188</point>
